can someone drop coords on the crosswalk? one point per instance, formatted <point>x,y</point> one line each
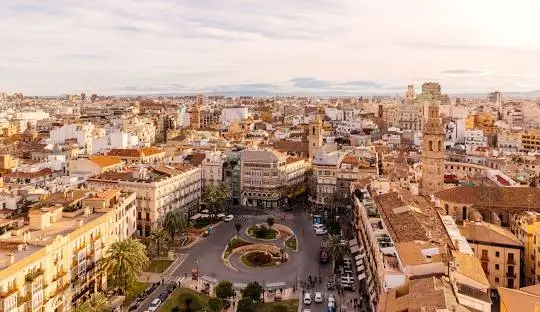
<point>286,216</point>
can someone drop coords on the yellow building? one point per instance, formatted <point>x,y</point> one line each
<point>479,121</point>
<point>526,227</point>
<point>7,162</point>
<point>530,140</point>
<point>54,260</point>
<point>499,252</point>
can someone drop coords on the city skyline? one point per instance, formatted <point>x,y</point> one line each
<point>317,47</point>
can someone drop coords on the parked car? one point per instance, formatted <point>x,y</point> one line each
<point>318,226</point>
<point>321,231</point>
<point>307,298</point>
<point>331,299</point>
<point>228,218</point>
<point>221,216</point>
<point>154,305</point>
<point>318,297</point>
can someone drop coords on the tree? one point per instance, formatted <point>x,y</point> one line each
<point>214,194</point>
<point>158,236</point>
<point>174,223</point>
<point>245,305</point>
<point>270,222</point>
<point>335,248</point>
<point>252,291</point>
<point>224,289</point>
<point>187,302</point>
<point>176,309</point>
<point>97,303</point>
<point>215,304</point>
<point>237,227</point>
<point>125,260</point>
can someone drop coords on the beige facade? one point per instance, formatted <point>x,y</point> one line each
<point>269,178</point>
<point>498,250</point>
<point>52,262</point>
<point>159,189</point>
<point>526,227</point>
<point>315,137</point>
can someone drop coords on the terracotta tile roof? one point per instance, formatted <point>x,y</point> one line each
<point>105,161</point>
<point>23,175</point>
<point>149,151</point>
<point>195,159</point>
<point>411,253</point>
<point>518,300</point>
<point>501,197</point>
<point>428,294</point>
<point>291,159</point>
<point>126,152</point>
<point>488,233</point>
<point>470,266</point>
<point>409,218</point>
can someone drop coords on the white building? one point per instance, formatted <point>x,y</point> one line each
<point>114,140</point>
<point>212,167</point>
<point>82,133</point>
<point>475,139</point>
<point>233,114</point>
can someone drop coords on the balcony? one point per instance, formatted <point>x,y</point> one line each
<point>484,258</point>
<point>31,276</point>
<point>79,248</point>
<point>7,293</point>
<point>510,274</point>
<point>59,275</point>
<point>511,261</point>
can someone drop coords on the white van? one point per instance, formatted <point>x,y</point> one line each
<point>154,305</point>
<point>307,298</point>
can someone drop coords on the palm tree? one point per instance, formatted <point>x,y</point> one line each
<point>187,303</point>
<point>97,302</point>
<point>214,195</point>
<point>174,223</point>
<point>270,222</point>
<point>237,227</point>
<point>125,260</point>
<point>335,248</point>
<point>158,236</point>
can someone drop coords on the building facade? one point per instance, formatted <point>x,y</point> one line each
<point>433,153</point>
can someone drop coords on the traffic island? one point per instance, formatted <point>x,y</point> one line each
<point>262,259</point>
<point>262,232</point>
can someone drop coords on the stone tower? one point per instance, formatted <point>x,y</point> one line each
<point>315,138</point>
<point>195,115</point>
<point>433,152</point>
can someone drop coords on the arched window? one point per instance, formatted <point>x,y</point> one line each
<point>439,147</point>
<point>313,131</point>
<point>431,146</point>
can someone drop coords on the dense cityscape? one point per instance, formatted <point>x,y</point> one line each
<point>258,156</point>
<point>390,203</point>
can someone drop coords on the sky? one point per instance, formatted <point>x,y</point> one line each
<point>52,47</point>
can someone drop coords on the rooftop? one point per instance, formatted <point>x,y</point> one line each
<point>519,300</point>
<point>482,196</point>
<point>104,161</point>
<point>420,252</point>
<point>411,218</point>
<point>489,233</point>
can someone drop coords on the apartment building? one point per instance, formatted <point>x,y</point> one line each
<point>147,155</point>
<point>530,140</point>
<point>498,250</point>
<point>526,227</point>
<point>212,167</point>
<point>334,172</point>
<point>159,189</point>
<point>54,260</point>
<point>270,179</point>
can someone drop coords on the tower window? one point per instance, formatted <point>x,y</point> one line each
<point>431,146</point>
<point>439,148</point>
<point>313,131</point>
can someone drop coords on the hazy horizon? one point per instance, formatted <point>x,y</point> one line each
<point>313,47</point>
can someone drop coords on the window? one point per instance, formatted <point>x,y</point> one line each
<point>497,280</point>
<point>497,267</point>
<point>430,146</point>
<point>497,254</point>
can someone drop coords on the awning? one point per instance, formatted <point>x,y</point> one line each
<point>206,211</point>
<point>209,279</point>
<point>360,269</point>
<point>353,242</point>
<point>239,285</point>
<point>355,249</point>
<point>361,276</point>
<point>275,285</point>
<point>358,257</point>
<point>359,262</point>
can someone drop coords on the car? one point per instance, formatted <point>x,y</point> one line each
<point>321,231</point>
<point>221,216</point>
<point>331,299</point>
<point>318,297</point>
<point>307,298</point>
<point>318,225</point>
<point>306,310</point>
<point>228,218</point>
<point>154,305</point>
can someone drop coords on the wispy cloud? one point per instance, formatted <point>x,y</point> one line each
<point>335,45</point>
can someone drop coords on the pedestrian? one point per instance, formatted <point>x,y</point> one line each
<point>233,303</point>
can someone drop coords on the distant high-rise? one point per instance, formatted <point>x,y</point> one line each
<point>495,97</point>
